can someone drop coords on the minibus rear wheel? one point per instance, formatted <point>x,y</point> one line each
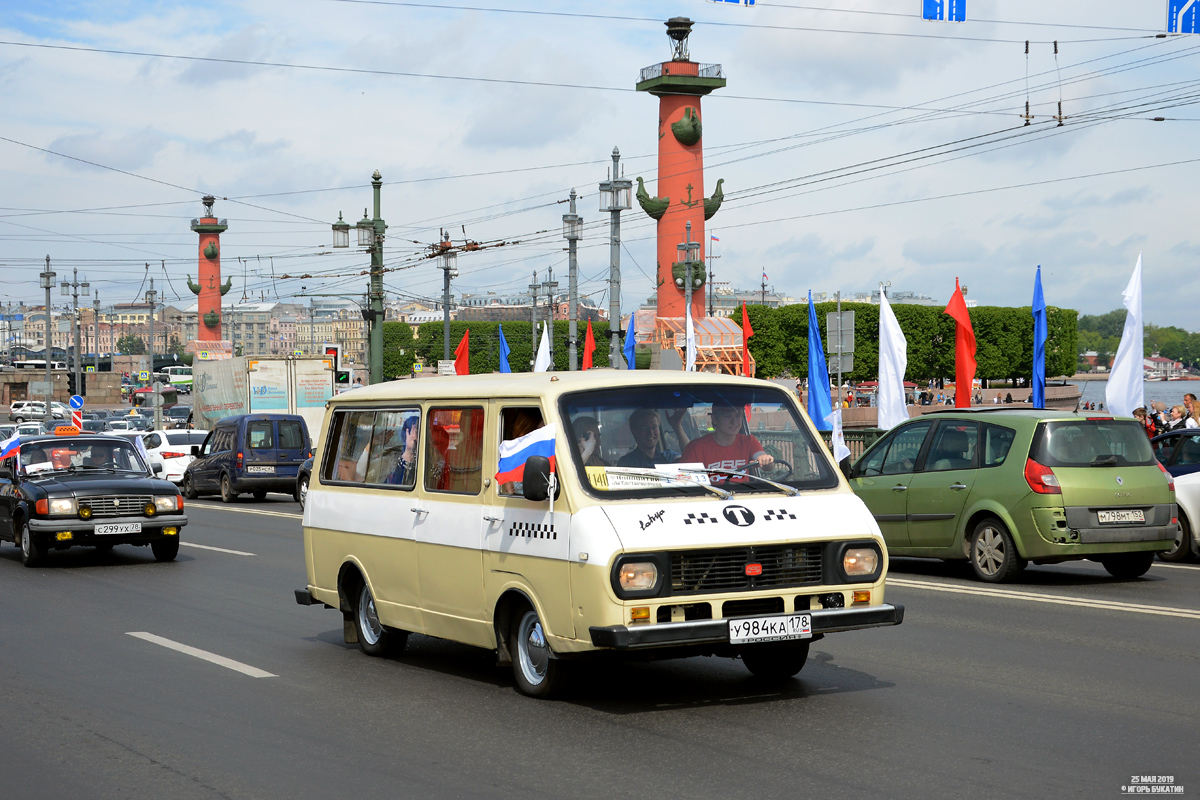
<point>375,638</point>
<point>537,673</point>
<point>775,661</point>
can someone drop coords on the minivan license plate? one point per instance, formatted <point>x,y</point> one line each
<point>1125,515</point>
<point>259,470</point>
<point>770,629</point>
<point>119,527</point>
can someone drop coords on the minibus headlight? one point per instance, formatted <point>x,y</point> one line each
<point>62,505</point>
<point>860,562</point>
<point>638,576</point>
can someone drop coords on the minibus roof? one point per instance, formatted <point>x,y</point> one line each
<point>533,384</point>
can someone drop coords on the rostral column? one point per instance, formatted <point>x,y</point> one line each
<point>209,289</point>
<point>679,84</point>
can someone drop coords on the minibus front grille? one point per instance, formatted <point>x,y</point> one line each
<point>724,569</point>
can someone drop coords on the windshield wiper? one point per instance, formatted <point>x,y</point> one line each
<point>792,491</point>
<point>1104,461</point>
<point>679,483</point>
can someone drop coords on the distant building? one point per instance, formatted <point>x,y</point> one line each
<point>1157,368</point>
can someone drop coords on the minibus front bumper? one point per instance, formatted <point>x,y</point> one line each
<point>716,631</point>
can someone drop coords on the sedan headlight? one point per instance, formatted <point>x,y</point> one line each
<point>860,561</point>
<point>637,576</point>
<point>63,505</point>
<point>167,503</point>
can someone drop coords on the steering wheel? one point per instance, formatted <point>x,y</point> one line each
<point>777,470</point>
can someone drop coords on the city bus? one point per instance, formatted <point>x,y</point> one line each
<point>39,363</point>
<point>180,378</point>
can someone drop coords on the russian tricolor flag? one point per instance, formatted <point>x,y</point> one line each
<point>10,446</point>
<point>513,453</point>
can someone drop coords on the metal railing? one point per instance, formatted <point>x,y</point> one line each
<point>783,444</point>
<point>702,71</point>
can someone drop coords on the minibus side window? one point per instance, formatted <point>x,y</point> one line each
<point>392,458</point>
<point>354,436</point>
<point>454,450</point>
<point>514,423</point>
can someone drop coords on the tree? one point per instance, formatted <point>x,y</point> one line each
<point>399,351</point>
<point>485,344</point>
<point>131,345</point>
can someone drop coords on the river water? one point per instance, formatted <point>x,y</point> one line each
<point>1169,392</point>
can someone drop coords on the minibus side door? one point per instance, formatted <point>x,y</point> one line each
<point>448,523</point>
<point>520,538</point>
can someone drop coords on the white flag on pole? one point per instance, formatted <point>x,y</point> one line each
<point>1126,379</point>
<point>840,451</point>
<point>893,361</point>
<point>691,346</point>
<point>542,362</point>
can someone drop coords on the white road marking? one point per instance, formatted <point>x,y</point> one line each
<point>1033,597</point>
<point>228,663</point>
<point>217,549</point>
<point>223,507</point>
<point>1175,566</point>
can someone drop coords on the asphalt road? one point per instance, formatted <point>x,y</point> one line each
<point>1063,685</point>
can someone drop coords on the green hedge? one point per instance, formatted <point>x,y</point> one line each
<point>1004,340</point>
<point>484,346</point>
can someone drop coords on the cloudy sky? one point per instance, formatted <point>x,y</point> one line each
<point>858,144</point>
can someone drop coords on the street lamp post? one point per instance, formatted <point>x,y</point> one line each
<point>550,285</point>
<point>688,252</point>
<point>616,195</point>
<point>47,282</point>
<point>370,235</point>
<point>72,288</point>
<point>572,232</point>
<point>155,397</point>
<point>96,327</point>
<point>448,264</point>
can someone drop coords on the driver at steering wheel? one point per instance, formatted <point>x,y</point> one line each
<point>727,447</point>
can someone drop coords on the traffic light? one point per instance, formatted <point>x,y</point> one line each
<point>341,377</point>
<point>334,352</point>
<point>71,387</point>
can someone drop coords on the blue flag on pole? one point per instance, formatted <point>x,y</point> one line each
<point>630,362</point>
<point>504,351</point>
<point>1039,342</point>
<point>820,402</point>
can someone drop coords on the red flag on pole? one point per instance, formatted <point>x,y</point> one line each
<point>462,362</point>
<point>964,349</point>
<point>589,347</point>
<point>747,332</point>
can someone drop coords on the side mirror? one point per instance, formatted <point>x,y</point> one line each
<point>195,449</point>
<point>536,483</point>
<point>846,467</point>
<point>6,473</point>
<point>156,467</point>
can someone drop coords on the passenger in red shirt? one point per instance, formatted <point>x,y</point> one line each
<point>727,447</point>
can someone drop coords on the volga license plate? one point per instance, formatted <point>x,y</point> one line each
<point>1124,515</point>
<point>253,470</point>
<point>119,527</point>
<point>770,629</point>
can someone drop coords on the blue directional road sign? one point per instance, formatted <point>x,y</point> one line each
<point>1183,16</point>
<point>946,10</point>
<point>76,402</point>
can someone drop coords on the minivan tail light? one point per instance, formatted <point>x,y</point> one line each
<point>1169,476</point>
<point>239,461</point>
<point>1041,478</point>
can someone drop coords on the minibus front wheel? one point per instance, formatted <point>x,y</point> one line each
<point>775,661</point>
<point>537,672</point>
<point>375,638</point>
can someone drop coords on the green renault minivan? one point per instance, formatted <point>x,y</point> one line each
<point>1003,487</point>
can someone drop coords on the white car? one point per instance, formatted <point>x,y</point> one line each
<point>172,449</point>
<point>1187,497</point>
<point>30,429</point>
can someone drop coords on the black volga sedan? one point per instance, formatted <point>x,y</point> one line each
<point>94,491</point>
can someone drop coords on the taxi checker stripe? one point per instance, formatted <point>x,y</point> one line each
<point>533,530</point>
<point>1107,605</point>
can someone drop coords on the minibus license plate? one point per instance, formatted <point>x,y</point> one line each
<point>770,629</point>
<point>119,527</point>
<point>1130,515</point>
<point>259,470</point>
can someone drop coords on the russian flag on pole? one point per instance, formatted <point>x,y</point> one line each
<point>513,453</point>
<point>10,446</point>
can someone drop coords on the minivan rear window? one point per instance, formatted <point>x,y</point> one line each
<point>1092,443</point>
<point>261,435</point>
<point>291,437</point>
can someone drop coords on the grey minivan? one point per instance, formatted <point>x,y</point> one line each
<point>255,453</point>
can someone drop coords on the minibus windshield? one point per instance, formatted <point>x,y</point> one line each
<point>663,440</point>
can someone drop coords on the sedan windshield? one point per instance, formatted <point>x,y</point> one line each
<point>663,440</point>
<point>72,454</point>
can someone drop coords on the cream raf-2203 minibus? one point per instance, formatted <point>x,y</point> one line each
<point>554,516</point>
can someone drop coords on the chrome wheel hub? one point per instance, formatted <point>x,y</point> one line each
<point>368,619</point>
<point>533,653</point>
